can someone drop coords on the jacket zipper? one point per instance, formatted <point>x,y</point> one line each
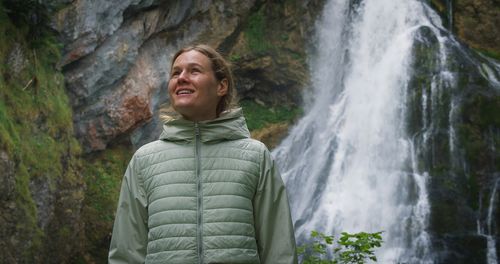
<point>199,194</point>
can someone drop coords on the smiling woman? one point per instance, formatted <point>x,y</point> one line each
<point>204,192</point>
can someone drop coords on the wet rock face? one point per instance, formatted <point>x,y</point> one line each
<point>457,196</point>
<point>117,57</point>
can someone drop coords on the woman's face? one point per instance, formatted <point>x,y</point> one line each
<point>193,89</point>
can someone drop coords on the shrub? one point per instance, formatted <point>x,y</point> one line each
<point>349,248</point>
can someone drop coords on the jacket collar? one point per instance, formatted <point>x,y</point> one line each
<point>230,125</point>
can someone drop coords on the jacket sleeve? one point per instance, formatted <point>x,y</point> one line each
<point>273,223</point>
<point>130,230</point>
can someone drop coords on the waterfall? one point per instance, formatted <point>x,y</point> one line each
<point>350,164</point>
<point>488,231</point>
<point>449,7</point>
<point>492,256</point>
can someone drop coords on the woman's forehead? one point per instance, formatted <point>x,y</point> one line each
<point>190,58</point>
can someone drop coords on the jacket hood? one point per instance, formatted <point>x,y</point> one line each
<point>230,125</point>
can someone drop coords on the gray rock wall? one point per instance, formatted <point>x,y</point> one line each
<point>117,55</point>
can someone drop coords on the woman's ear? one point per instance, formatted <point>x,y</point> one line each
<point>222,88</point>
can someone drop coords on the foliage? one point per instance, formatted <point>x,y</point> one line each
<point>259,116</point>
<point>350,248</point>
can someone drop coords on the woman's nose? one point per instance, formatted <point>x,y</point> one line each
<point>183,76</point>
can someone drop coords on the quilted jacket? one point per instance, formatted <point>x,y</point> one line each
<point>203,193</point>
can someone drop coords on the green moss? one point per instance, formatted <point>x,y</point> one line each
<point>284,37</point>
<point>36,128</point>
<point>235,57</point>
<point>481,117</point>
<point>103,175</point>
<point>255,32</point>
<point>7,132</point>
<point>65,232</point>
<point>489,53</point>
<point>26,227</point>
<point>258,116</point>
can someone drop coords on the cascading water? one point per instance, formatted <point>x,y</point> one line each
<point>350,164</point>
<point>487,230</point>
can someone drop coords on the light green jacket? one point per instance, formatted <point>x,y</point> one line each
<point>204,193</point>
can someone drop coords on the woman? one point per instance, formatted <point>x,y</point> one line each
<point>204,192</point>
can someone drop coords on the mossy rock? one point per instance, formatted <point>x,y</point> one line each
<point>103,173</point>
<point>36,134</point>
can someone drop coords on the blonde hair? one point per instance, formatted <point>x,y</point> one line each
<point>221,69</point>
